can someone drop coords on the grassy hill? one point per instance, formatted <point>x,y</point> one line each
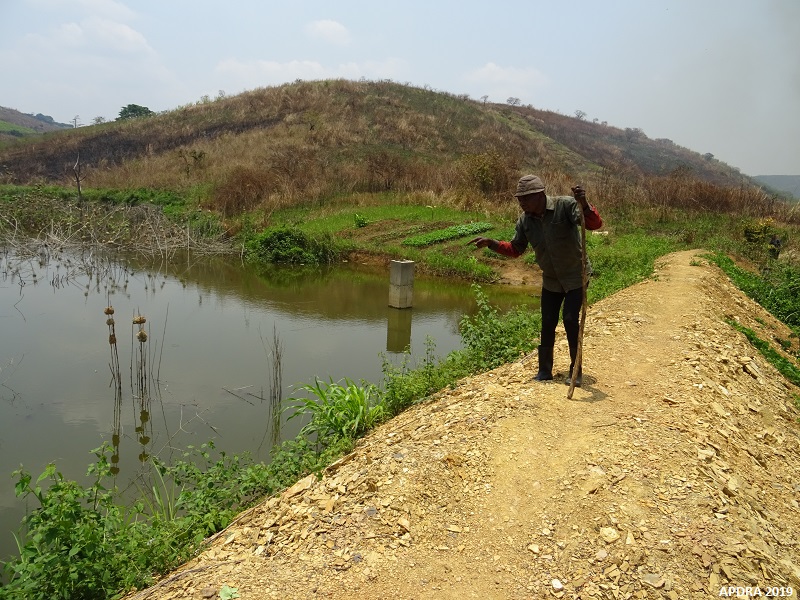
<point>14,124</point>
<point>329,137</point>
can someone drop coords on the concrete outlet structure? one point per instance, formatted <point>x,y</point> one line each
<point>401,283</point>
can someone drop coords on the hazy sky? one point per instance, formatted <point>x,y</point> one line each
<point>719,76</point>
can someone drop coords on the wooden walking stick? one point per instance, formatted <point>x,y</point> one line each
<point>576,368</point>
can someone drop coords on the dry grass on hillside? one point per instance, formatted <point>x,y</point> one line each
<point>312,142</point>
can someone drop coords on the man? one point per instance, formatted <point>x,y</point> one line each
<point>775,246</point>
<point>551,225</point>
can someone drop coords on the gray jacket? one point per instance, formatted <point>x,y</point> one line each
<point>556,240</point>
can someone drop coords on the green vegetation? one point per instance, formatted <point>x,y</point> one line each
<point>786,368</point>
<point>338,411</point>
<point>81,542</point>
<point>15,130</point>
<point>134,111</point>
<point>627,259</point>
<point>449,233</point>
<point>286,245</point>
<point>492,339</point>
<point>776,287</point>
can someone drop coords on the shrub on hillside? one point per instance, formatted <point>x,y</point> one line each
<point>242,190</point>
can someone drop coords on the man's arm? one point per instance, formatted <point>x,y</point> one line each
<point>591,217</point>
<point>504,248</point>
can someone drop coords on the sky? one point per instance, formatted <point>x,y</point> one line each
<point>718,76</point>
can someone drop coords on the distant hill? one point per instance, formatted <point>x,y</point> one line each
<point>789,184</point>
<point>332,135</point>
<point>16,124</point>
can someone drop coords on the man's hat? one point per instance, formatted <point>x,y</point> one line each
<point>530,184</point>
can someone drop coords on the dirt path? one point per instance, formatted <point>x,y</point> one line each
<point>674,472</point>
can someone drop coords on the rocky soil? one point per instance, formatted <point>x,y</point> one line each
<point>673,473</point>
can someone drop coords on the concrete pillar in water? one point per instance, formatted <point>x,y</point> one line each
<point>401,283</point>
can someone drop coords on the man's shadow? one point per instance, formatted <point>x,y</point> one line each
<point>596,394</point>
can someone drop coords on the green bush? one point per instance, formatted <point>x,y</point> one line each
<point>80,544</point>
<point>405,384</point>
<point>360,220</point>
<point>287,245</point>
<point>492,339</point>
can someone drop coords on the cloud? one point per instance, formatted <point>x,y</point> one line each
<point>493,74</point>
<point>501,82</point>
<point>96,45</point>
<point>111,35</point>
<point>256,73</point>
<point>106,8</point>
<point>89,65</point>
<point>329,31</point>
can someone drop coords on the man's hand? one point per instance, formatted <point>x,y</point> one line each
<point>481,242</point>
<point>580,195</point>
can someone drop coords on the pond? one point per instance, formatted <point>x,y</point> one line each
<point>222,340</point>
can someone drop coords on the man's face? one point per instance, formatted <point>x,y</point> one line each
<point>533,204</point>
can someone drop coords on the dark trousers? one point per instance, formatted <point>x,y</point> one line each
<point>551,306</point>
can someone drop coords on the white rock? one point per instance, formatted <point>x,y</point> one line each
<point>609,534</point>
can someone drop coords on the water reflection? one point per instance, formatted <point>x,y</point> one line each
<point>398,329</point>
<point>224,343</point>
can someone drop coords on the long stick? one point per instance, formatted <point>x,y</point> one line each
<point>579,354</point>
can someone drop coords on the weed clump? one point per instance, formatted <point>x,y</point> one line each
<point>287,245</point>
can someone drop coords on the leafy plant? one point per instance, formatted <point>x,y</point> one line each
<point>758,232</point>
<point>339,411</point>
<point>360,220</point>
<point>405,384</point>
<point>289,245</point>
<point>492,339</point>
<point>228,593</point>
<point>449,233</point>
<point>80,544</point>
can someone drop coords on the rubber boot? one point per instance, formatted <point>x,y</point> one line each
<point>573,353</point>
<point>578,377</point>
<point>545,364</point>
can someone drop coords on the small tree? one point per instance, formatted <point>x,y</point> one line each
<point>78,174</point>
<point>513,101</point>
<point>134,111</point>
<point>579,114</point>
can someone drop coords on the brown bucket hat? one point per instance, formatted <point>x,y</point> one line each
<point>529,184</point>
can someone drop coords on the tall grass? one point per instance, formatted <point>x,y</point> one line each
<point>338,411</point>
<point>309,142</point>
